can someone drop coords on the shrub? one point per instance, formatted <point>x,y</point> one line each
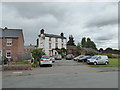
<point>91,53</point>
<point>35,64</point>
<point>111,56</point>
<point>37,54</point>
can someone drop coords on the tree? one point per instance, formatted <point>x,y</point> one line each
<point>61,51</point>
<point>78,49</point>
<point>91,53</point>
<point>71,41</point>
<point>83,42</point>
<point>108,49</point>
<point>101,50</point>
<point>90,44</point>
<point>37,53</point>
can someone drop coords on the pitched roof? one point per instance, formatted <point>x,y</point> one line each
<point>71,47</point>
<point>10,33</point>
<point>30,46</point>
<point>54,36</point>
<point>89,49</point>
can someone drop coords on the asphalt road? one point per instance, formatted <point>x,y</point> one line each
<point>63,74</point>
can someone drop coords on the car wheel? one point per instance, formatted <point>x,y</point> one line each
<point>106,63</point>
<point>95,63</point>
<point>50,65</point>
<point>40,65</point>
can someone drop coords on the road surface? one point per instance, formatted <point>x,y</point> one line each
<point>63,74</point>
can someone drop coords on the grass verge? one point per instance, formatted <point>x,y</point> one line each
<point>113,62</point>
<point>17,63</point>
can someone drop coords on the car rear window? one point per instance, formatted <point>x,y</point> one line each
<point>45,57</point>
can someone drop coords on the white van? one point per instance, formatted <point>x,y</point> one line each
<point>98,59</point>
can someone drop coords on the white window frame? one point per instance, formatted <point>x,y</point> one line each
<point>9,42</point>
<point>56,39</point>
<point>7,54</point>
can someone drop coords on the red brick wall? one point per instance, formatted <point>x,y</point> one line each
<point>21,44</point>
<point>16,48</point>
<point>13,48</point>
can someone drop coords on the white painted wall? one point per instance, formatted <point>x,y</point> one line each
<point>45,44</point>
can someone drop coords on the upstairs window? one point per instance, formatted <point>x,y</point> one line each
<point>56,39</point>
<point>62,40</point>
<point>49,45</point>
<point>9,42</point>
<point>49,38</point>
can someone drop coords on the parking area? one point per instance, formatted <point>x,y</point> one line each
<point>63,74</point>
<point>59,67</point>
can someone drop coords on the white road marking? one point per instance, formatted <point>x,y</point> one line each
<point>17,72</point>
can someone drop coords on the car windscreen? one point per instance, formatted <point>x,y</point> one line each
<point>81,56</point>
<point>93,57</point>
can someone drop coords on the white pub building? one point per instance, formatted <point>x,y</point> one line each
<point>49,42</point>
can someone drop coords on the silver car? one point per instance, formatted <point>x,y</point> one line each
<point>98,59</point>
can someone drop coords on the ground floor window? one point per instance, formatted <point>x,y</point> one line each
<point>0,52</point>
<point>8,54</point>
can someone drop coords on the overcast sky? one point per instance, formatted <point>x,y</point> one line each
<point>97,20</point>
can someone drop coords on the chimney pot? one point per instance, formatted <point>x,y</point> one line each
<point>62,34</point>
<point>42,31</point>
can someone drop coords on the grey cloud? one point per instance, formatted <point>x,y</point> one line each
<point>100,23</point>
<point>104,38</point>
<point>37,9</point>
<point>107,16</point>
<point>79,19</point>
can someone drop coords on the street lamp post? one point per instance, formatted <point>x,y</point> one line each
<point>3,38</point>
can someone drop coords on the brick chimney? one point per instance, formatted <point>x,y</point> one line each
<point>5,28</point>
<point>62,34</point>
<point>42,31</point>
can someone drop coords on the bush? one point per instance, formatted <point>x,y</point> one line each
<point>37,54</point>
<point>91,53</point>
<point>35,64</point>
<point>111,56</point>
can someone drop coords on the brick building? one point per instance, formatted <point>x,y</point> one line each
<point>11,43</point>
<point>71,50</point>
<point>29,48</point>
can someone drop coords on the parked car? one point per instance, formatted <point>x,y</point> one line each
<point>58,57</point>
<point>46,60</point>
<point>84,58</point>
<point>98,59</point>
<point>53,58</point>
<point>3,59</point>
<point>76,58</point>
<point>69,57</point>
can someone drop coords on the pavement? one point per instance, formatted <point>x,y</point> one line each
<point>63,74</point>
